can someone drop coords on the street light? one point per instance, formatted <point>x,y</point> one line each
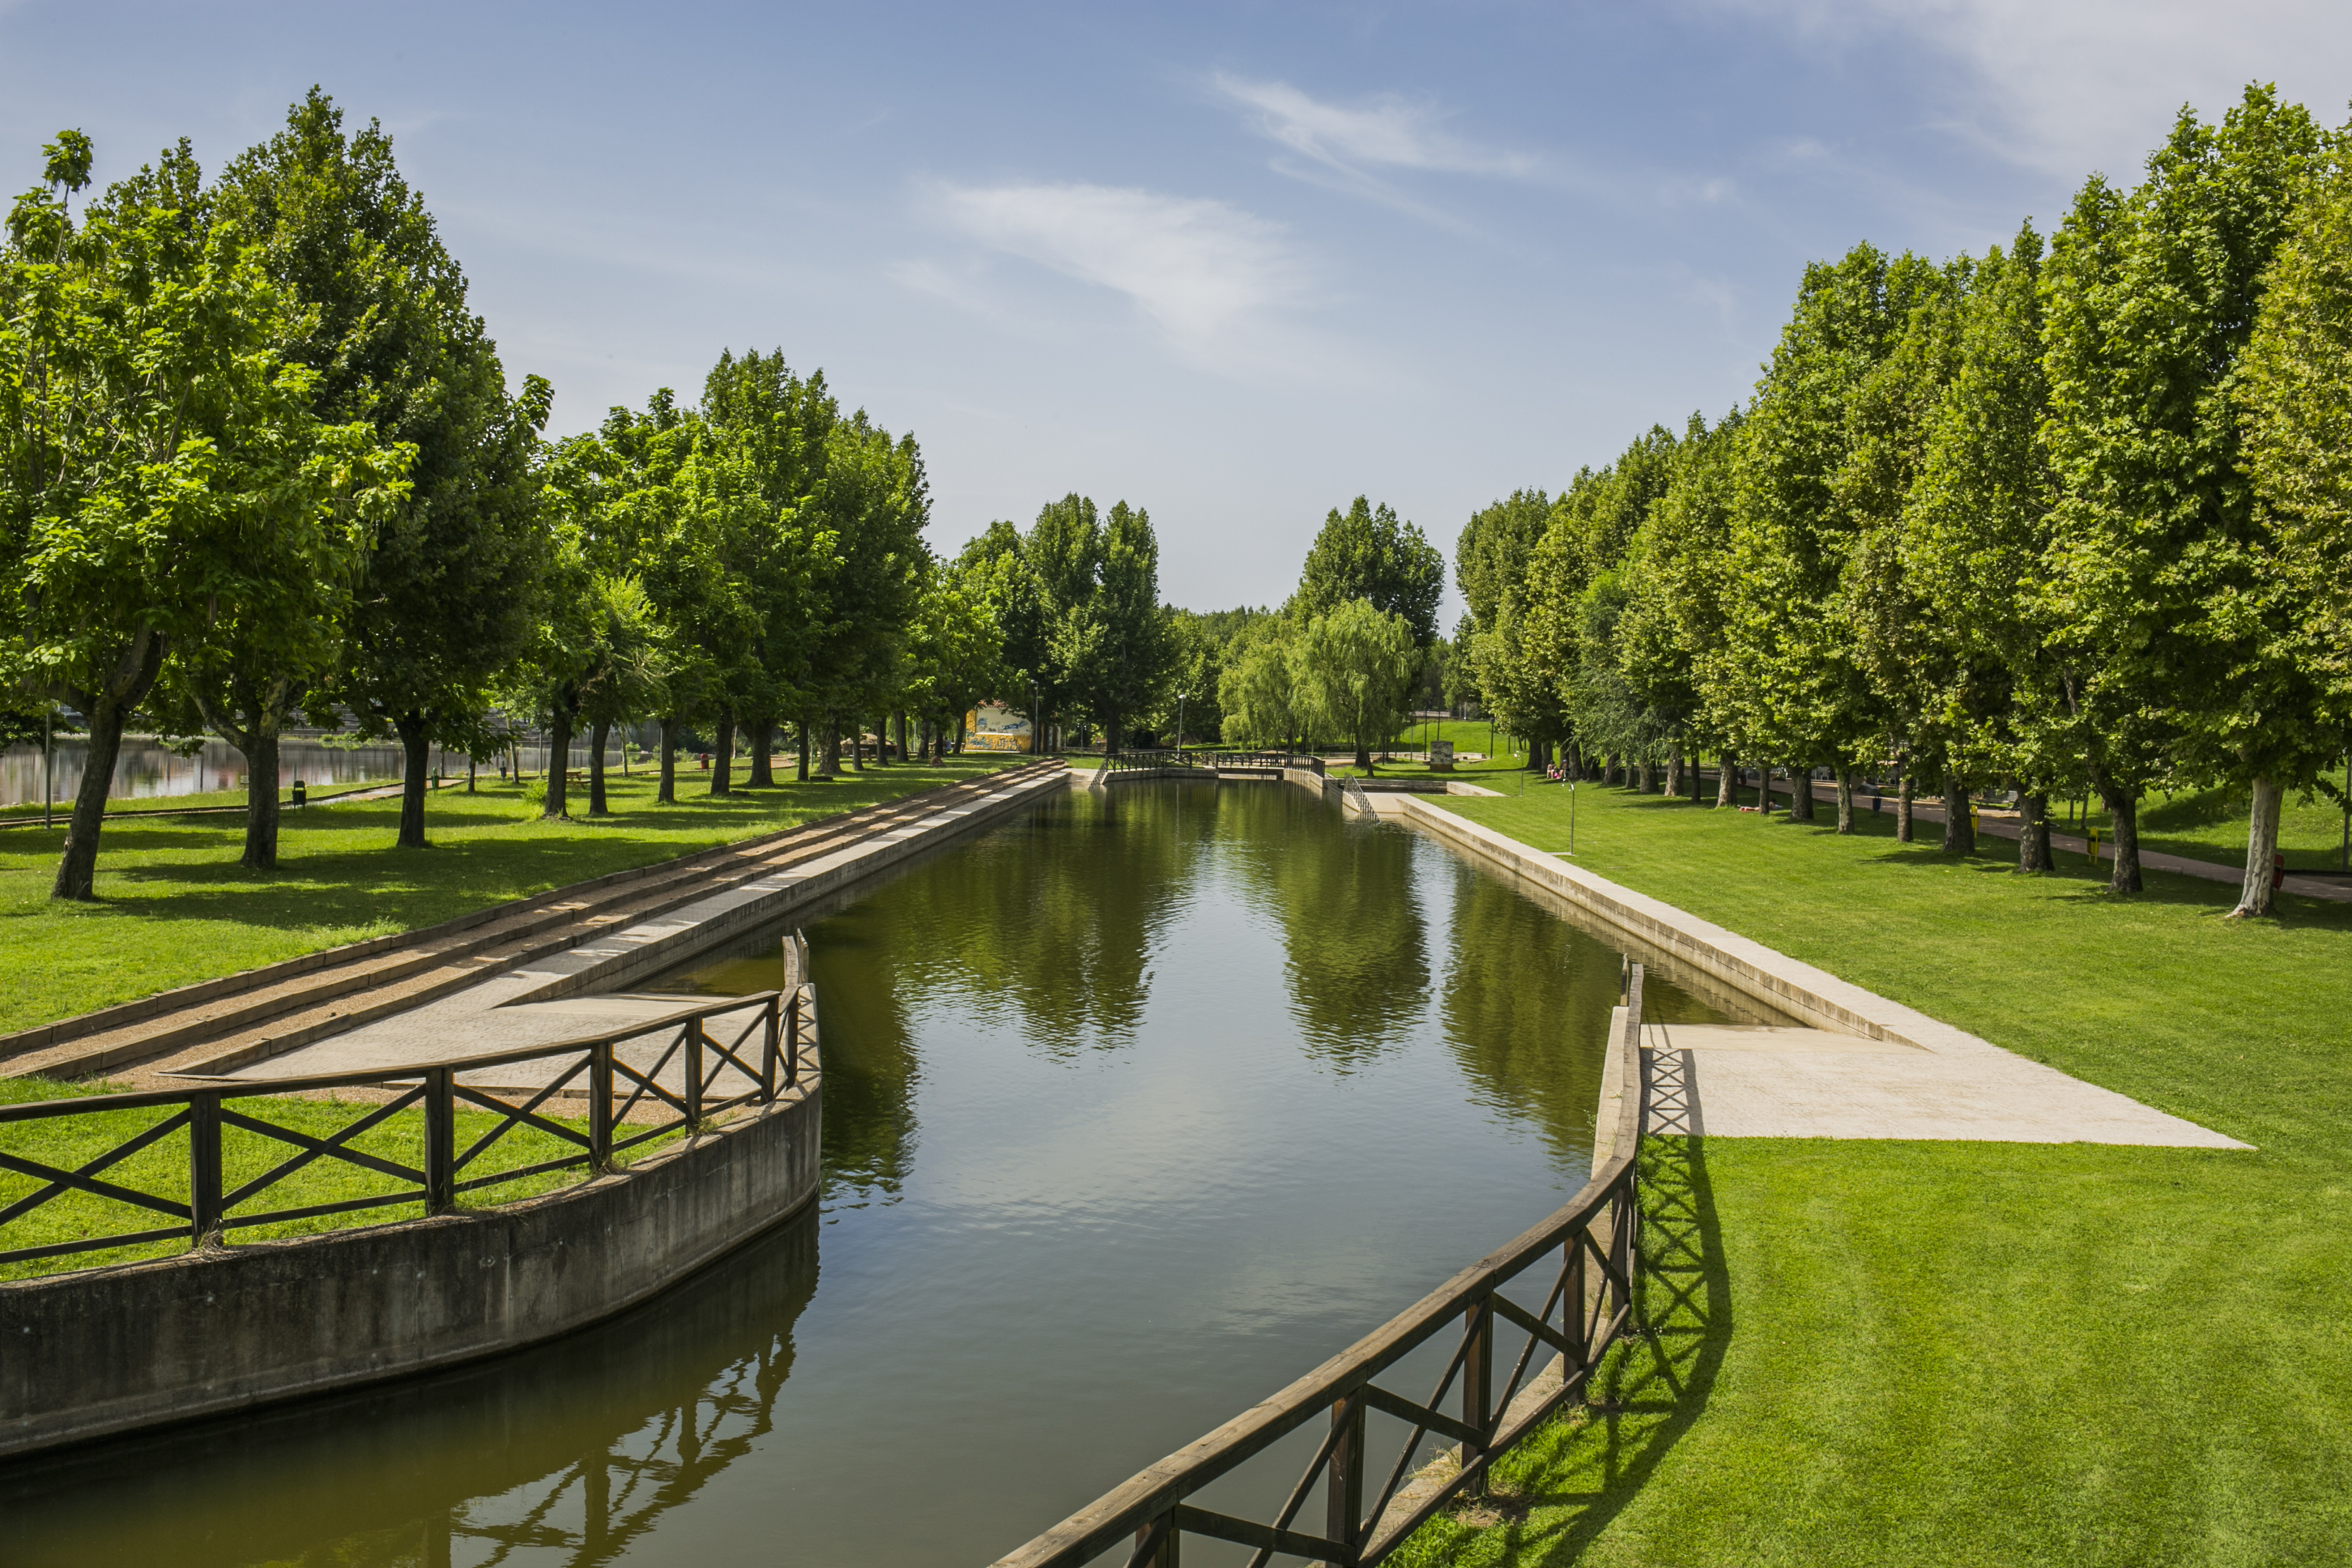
<point>1180,724</point>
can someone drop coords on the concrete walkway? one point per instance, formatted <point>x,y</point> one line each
<point>580,991</point>
<point>1860,1067</point>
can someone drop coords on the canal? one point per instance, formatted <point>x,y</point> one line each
<point>1136,1108</point>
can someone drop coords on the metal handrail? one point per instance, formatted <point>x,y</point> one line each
<point>783,1020</point>
<point>1597,1229</point>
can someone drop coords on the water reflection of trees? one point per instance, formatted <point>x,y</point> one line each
<point>1355,943</point>
<point>570,1452</point>
<point>1526,1004</point>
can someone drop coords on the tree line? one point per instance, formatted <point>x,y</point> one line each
<point>2069,517</point>
<point>260,465</point>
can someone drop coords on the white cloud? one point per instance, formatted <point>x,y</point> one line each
<point>2073,85</point>
<point>1388,132</point>
<point>1210,276</point>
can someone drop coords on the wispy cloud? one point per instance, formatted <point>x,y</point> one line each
<point>1388,131</point>
<point>1212,277</point>
<point>2091,83</point>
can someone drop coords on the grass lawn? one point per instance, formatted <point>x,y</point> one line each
<point>2211,825</point>
<point>1950,1352</point>
<point>174,907</point>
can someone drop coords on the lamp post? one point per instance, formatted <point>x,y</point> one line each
<point>1180,724</point>
<point>49,767</point>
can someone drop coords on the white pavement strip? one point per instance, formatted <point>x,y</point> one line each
<point>1734,1082</point>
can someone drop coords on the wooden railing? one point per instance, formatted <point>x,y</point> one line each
<point>614,1088</point>
<point>1587,1303</point>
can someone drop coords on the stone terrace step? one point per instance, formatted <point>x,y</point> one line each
<point>259,1013</point>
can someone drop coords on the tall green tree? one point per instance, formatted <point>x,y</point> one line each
<point>1368,552</point>
<point>161,472</point>
<point>2154,566</point>
<point>445,602</point>
<point>1115,647</point>
<point>2295,397</point>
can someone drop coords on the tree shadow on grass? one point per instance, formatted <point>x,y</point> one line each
<point>1574,1480</point>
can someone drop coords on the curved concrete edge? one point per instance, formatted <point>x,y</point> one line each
<point>105,1350</point>
<point>1810,997</point>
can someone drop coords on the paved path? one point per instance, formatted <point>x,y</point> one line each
<point>1858,1065</point>
<point>1740,1082</point>
<point>2003,824</point>
<point>555,997</point>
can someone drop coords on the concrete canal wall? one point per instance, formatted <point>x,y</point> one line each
<point>104,1351</point>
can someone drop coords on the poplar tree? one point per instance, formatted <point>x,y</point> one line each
<point>1368,552</point>
<point>2295,397</point>
<point>2155,579</point>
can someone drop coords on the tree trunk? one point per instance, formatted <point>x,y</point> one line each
<point>903,755</point>
<point>1959,828</point>
<point>2033,833</point>
<point>722,760</point>
<point>414,744</point>
<point>857,745</point>
<point>2262,849</point>
<point>2123,813</point>
<point>77,866</point>
<point>1642,778</point>
<point>1902,807</point>
<point>260,751</point>
<point>1675,773</point>
<point>1845,798</point>
<point>598,733</point>
<point>801,767</point>
<point>1801,793</point>
<point>1726,781</point>
<point>763,746</point>
<point>828,762</point>
<point>559,764</point>
<point>667,794</point>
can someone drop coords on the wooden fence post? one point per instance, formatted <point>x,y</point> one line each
<point>600,1106</point>
<point>770,1042</point>
<point>1477,1384</point>
<point>1164,1540</point>
<point>204,1169</point>
<point>1343,1509</point>
<point>440,1139</point>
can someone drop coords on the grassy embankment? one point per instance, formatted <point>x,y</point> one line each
<point>1876,1352</point>
<point>174,907</point>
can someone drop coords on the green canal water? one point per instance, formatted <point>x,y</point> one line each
<point>1135,1108</point>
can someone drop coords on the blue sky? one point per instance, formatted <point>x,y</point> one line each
<point>1237,263</point>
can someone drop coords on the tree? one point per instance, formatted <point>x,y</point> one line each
<point>2155,577</point>
<point>444,603</point>
<point>1114,646</point>
<point>1368,553</point>
<point>1259,688</point>
<point>1355,666</point>
<point>153,434</point>
<point>2296,702</point>
<point>1794,686</point>
<point>1975,530</point>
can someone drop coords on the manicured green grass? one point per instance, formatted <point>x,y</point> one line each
<point>2211,825</point>
<point>1955,1352</point>
<point>162,1169</point>
<point>174,907</point>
